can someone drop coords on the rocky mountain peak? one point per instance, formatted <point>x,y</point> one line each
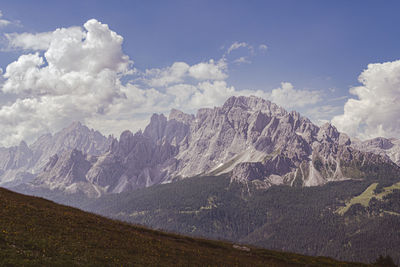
<point>23,155</point>
<point>50,164</point>
<point>180,116</point>
<point>23,146</point>
<point>327,132</point>
<point>125,143</point>
<point>27,161</point>
<point>380,142</point>
<point>253,103</point>
<point>382,146</point>
<point>75,125</point>
<point>125,136</point>
<point>155,130</point>
<point>65,171</point>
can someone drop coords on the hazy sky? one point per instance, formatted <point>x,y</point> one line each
<point>110,64</point>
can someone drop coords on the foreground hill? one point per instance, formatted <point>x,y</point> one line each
<point>34,231</point>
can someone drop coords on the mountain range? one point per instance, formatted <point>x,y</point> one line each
<point>252,139</point>
<point>20,164</point>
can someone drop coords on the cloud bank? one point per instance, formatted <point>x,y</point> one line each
<point>375,110</point>
<point>288,97</point>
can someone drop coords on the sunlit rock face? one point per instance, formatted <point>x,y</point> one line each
<point>382,146</point>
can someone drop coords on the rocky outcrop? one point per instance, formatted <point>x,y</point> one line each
<point>75,136</point>
<point>70,167</point>
<point>385,147</point>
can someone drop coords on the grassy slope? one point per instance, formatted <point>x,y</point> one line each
<point>34,231</point>
<point>362,199</point>
<point>365,198</point>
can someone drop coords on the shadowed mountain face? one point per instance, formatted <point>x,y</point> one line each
<point>251,139</point>
<point>21,163</point>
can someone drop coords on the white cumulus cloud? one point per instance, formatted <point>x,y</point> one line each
<point>210,70</point>
<point>169,75</point>
<point>321,114</point>
<point>178,72</point>
<point>29,41</point>
<point>76,78</point>
<point>376,108</point>
<point>288,97</point>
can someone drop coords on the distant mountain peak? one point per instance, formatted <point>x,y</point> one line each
<point>180,116</point>
<point>23,145</point>
<point>27,161</point>
<point>75,125</point>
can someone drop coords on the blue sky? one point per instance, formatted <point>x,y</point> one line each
<point>319,47</point>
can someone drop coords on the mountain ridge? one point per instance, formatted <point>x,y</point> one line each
<point>21,163</point>
<point>253,139</point>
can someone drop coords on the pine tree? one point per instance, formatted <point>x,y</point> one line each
<point>384,261</point>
